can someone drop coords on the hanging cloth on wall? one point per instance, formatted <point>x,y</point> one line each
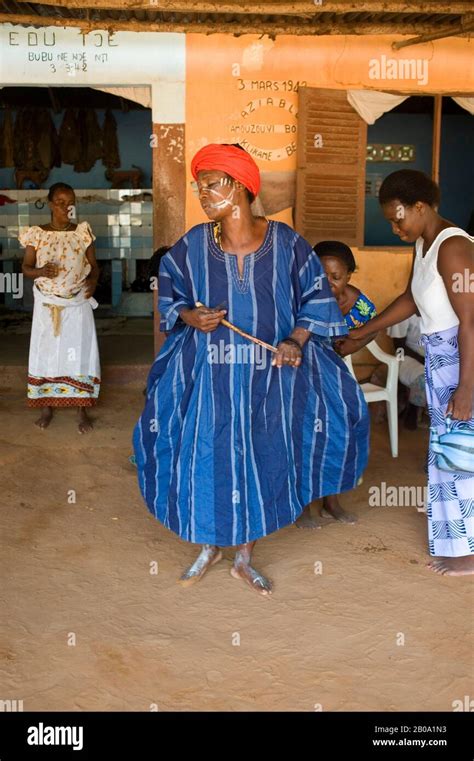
<point>56,148</point>
<point>25,140</point>
<point>69,143</point>
<point>110,153</point>
<point>30,162</point>
<point>48,142</point>
<point>19,148</point>
<point>6,140</point>
<point>90,138</point>
<point>465,102</point>
<point>35,141</point>
<point>371,104</point>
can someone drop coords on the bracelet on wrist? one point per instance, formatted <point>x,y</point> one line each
<point>292,341</point>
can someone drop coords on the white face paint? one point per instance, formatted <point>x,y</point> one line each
<point>229,201</point>
<point>224,200</point>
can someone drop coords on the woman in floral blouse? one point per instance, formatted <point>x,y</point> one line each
<point>63,368</point>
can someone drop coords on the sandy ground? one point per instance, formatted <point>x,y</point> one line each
<point>81,572</point>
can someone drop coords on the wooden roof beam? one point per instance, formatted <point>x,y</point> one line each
<point>225,27</point>
<point>299,7</point>
<point>466,27</point>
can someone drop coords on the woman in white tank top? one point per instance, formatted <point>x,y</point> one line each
<point>441,290</point>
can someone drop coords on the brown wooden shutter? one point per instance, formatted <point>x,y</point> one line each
<point>330,179</point>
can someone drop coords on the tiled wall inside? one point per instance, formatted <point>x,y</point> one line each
<point>121,220</point>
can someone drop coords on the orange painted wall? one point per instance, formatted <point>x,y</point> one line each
<point>383,275</point>
<point>226,74</point>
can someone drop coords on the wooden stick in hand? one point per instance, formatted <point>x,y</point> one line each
<point>243,333</point>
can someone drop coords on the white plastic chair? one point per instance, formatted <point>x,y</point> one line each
<point>388,393</point>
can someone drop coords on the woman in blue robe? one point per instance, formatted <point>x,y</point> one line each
<point>235,440</point>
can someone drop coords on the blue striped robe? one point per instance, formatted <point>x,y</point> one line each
<point>228,448</point>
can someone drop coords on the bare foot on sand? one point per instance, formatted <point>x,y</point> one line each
<point>45,419</point>
<point>307,520</point>
<point>253,578</point>
<point>333,509</point>
<point>243,570</point>
<point>453,566</point>
<point>209,555</point>
<point>85,423</point>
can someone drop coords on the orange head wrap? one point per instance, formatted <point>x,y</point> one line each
<point>235,162</point>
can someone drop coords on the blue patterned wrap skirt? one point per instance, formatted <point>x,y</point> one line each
<point>450,504</point>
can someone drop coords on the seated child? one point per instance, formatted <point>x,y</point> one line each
<point>339,264</point>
